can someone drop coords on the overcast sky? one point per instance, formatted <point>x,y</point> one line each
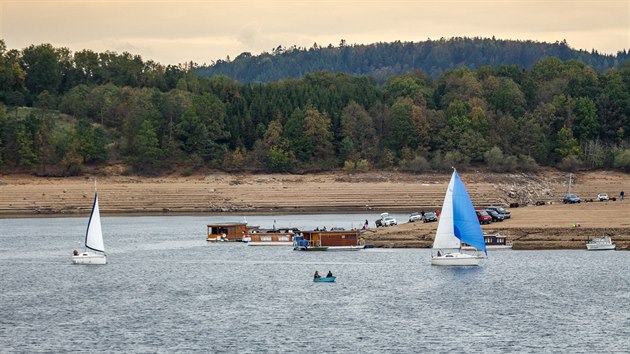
<point>172,32</point>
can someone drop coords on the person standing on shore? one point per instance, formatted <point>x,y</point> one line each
<point>621,195</point>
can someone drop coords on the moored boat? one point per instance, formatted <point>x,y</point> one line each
<point>272,237</point>
<point>493,242</point>
<point>229,231</point>
<point>338,240</point>
<point>600,244</point>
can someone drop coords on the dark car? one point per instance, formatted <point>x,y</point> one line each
<point>506,213</point>
<point>571,199</point>
<point>496,216</point>
<point>483,217</point>
<point>429,217</point>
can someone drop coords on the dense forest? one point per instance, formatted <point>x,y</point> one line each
<point>63,113</point>
<point>383,60</point>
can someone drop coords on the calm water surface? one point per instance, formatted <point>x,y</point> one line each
<point>166,289</point>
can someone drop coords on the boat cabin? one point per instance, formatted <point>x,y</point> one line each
<point>342,238</point>
<point>229,231</point>
<point>496,240</point>
<point>492,241</point>
<point>272,237</point>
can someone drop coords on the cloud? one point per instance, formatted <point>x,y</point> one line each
<point>250,35</point>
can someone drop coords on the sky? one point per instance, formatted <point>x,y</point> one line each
<point>202,31</point>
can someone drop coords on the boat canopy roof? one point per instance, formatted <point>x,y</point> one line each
<point>226,224</point>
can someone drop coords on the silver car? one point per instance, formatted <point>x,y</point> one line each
<point>415,217</point>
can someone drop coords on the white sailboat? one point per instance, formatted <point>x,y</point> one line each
<point>458,223</point>
<point>94,252</point>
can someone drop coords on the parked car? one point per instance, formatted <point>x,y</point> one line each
<point>389,221</point>
<point>430,217</point>
<point>506,213</point>
<point>496,216</point>
<point>415,217</point>
<point>379,222</point>
<point>571,198</point>
<point>602,197</point>
<point>386,220</point>
<point>483,217</point>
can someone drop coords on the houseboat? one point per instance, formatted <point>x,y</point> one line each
<point>229,231</point>
<point>493,242</point>
<point>338,240</point>
<point>272,237</point>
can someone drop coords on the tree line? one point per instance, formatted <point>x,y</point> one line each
<point>61,113</point>
<point>384,60</point>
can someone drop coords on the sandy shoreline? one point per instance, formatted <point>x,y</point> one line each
<point>546,226</point>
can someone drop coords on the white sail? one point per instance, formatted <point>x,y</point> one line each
<point>445,234</point>
<point>94,234</point>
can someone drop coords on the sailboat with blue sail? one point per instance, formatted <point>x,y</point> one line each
<point>458,223</point>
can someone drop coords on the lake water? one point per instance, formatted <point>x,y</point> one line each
<point>166,289</point>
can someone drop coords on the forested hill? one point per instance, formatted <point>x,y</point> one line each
<point>63,113</point>
<point>384,60</point>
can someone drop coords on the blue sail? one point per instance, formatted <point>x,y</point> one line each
<point>465,223</point>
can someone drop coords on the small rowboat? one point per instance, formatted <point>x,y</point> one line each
<point>324,280</point>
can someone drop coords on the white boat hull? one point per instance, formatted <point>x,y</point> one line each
<point>270,243</point>
<point>345,248</point>
<point>456,259</point>
<point>89,258</point>
<point>596,247</point>
<point>600,244</point>
<point>216,239</point>
<point>497,247</point>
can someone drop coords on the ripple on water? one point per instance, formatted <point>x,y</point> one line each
<point>166,289</point>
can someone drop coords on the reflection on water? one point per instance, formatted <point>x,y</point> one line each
<point>166,289</point>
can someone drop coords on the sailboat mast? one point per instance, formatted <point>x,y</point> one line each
<point>90,220</point>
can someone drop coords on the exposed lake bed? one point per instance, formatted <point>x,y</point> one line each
<point>552,225</point>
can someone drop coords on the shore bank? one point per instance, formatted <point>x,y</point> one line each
<point>523,238</point>
<point>548,225</point>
